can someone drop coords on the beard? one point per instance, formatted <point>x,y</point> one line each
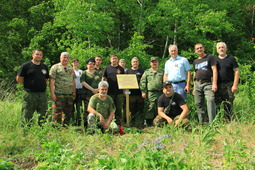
<point>102,94</point>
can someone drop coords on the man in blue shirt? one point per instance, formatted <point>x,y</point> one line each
<point>177,71</point>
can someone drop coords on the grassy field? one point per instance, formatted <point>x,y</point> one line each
<point>216,146</point>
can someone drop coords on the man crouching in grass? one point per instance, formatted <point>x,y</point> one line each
<point>101,110</point>
<point>172,108</point>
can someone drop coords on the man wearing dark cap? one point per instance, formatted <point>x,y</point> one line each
<point>151,85</point>
<point>172,108</point>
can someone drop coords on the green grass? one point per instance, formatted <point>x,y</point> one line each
<point>216,146</point>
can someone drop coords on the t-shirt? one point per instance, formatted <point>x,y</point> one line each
<point>139,72</point>
<point>203,67</point>
<point>176,69</point>
<point>78,74</point>
<point>110,73</point>
<point>225,68</point>
<point>104,107</point>
<point>63,77</point>
<point>175,109</point>
<point>90,79</point>
<point>34,76</point>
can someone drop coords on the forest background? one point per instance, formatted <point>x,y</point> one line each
<point>128,28</point>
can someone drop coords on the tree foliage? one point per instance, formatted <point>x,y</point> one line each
<point>141,28</point>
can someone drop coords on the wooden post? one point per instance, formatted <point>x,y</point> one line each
<point>128,114</point>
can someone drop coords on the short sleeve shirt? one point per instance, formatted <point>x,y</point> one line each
<point>138,73</point>
<point>104,107</point>
<point>175,110</point>
<point>78,74</point>
<point>203,67</point>
<point>64,77</point>
<point>34,76</point>
<point>225,68</point>
<point>110,73</point>
<point>176,68</point>
<point>90,79</point>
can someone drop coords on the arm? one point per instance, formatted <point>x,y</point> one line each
<point>215,78</point>
<point>187,88</point>
<point>184,114</point>
<point>165,77</point>
<point>163,115</point>
<point>87,86</point>
<point>52,90</point>
<point>109,120</point>
<point>143,85</point>
<point>74,89</point>
<point>20,79</point>
<point>93,111</point>
<point>236,79</point>
<point>194,75</point>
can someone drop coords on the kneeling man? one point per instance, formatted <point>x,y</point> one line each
<point>172,108</point>
<point>101,110</point>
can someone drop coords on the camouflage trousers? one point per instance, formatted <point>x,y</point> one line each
<point>62,109</point>
<point>152,111</point>
<point>34,101</point>
<point>225,97</point>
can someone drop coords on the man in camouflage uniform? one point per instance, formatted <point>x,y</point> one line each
<point>98,68</point>
<point>101,110</point>
<point>151,87</point>
<point>228,77</point>
<point>62,89</point>
<point>34,75</point>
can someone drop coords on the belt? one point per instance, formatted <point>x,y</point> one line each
<point>177,82</point>
<point>203,81</point>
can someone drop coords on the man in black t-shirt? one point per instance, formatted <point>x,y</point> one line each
<point>110,75</point>
<point>205,83</point>
<point>34,75</point>
<point>172,108</point>
<point>135,99</point>
<point>228,77</point>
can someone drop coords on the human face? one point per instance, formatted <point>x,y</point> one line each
<point>98,61</point>
<point>114,60</point>
<point>154,64</point>
<point>91,65</point>
<point>37,56</point>
<point>173,51</point>
<point>64,60</point>
<point>103,91</point>
<point>167,90</point>
<point>75,63</point>
<point>135,63</point>
<point>122,64</point>
<point>199,49</point>
<point>221,49</point>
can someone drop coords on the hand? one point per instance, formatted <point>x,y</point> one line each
<point>144,95</point>
<point>214,88</point>
<point>177,122</point>
<point>187,89</point>
<point>53,97</point>
<point>74,96</point>
<point>234,89</point>
<point>170,121</point>
<point>101,119</point>
<point>106,125</point>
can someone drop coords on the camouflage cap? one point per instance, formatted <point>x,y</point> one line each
<point>154,59</point>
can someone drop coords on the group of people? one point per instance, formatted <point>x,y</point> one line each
<point>96,90</point>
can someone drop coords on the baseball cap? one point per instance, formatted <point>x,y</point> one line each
<point>167,83</point>
<point>154,59</point>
